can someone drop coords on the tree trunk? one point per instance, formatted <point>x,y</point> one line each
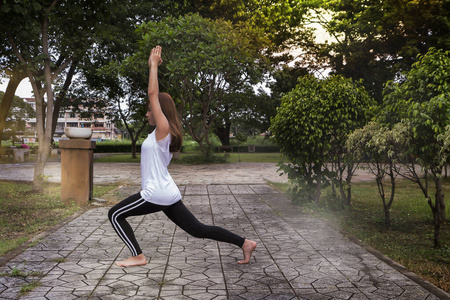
<point>439,215</point>
<point>133,148</point>
<point>45,122</point>
<point>41,157</point>
<point>348,180</point>
<point>8,97</point>
<point>387,215</point>
<point>319,183</point>
<point>224,134</point>
<point>440,201</point>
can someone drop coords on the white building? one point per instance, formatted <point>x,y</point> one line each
<point>102,127</point>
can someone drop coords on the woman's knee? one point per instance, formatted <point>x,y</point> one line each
<point>111,212</point>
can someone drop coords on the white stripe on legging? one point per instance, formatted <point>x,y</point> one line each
<point>119,230</point>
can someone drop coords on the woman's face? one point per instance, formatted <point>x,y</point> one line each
<point>149,115</point>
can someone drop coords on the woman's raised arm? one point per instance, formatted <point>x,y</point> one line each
<point>162,124</point>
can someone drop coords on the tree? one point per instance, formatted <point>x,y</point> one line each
<point>46,47</point>
<point>256,108</point>
<point>116,41</point>
<point>313,121</point>
<point>120,94</point>
<point>282,21</point>
<point>376,40</point>
<point>248,109</point>
<point>422,101</point>
<point>382,148</point>
<point>215,58</point>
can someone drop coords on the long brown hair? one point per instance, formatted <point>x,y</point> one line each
<point>170,111</point>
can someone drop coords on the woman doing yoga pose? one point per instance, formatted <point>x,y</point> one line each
<point>158,190</point>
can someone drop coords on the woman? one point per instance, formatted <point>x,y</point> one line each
<point>159,191</point>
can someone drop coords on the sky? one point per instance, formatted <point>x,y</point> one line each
<point>24,89</point>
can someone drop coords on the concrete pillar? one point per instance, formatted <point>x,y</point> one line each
<point>19,155</point>
<point>77,170</point>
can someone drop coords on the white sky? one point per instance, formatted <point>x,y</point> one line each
<point>24,89</point>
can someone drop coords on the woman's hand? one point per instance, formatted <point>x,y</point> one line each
<point>155,57</point>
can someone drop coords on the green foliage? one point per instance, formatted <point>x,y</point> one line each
<point>422,100</point>
<point>203,60</point>
<point>313,121</point>
<point>375,40</point>
<point>445,139</point>
<point>317,115</point>
<point>383,148</point>
<point>241,137</point>
<point>377,143</point>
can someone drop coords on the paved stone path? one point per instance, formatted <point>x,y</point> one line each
<point>298,257</point>
<point>129,173</point>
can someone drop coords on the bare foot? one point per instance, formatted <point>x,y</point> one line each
<point>133,261</point>
<point>247,248</point>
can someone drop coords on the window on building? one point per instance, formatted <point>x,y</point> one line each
<point>98,124</point>
<point>72,115</point>
<point>72,124</point>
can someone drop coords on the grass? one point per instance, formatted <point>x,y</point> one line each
<point>29,287</point>
<point>231,158</point>
<point>23,213</point>
<point>409,241</point>
<point>20,272</point>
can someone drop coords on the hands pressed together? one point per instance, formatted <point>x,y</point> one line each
<point>155,57</point>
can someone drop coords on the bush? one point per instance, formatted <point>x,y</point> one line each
<point>312,125</point>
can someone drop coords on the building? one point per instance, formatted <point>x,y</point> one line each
<point>102,127</point>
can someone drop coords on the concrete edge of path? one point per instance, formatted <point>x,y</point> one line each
<point>5,258</point>
<point>398,267</point>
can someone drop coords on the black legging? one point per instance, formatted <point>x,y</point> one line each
<point>135,205</point>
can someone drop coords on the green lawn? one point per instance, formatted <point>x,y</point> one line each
<point>232,158</point>
<point>23,213</point>
<point>410,239</point>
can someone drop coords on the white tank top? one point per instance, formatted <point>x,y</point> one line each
<point>157,186</point>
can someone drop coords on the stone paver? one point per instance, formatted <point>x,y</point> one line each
<point>129,173</point>
<point>298,257</point>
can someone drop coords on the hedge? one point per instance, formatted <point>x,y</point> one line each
<point>119,148</point>
<point>123,148</point>
<point>258,148</point>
